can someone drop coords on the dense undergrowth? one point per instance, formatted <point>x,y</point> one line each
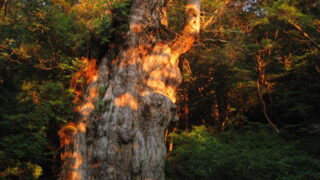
<point>250,152</point>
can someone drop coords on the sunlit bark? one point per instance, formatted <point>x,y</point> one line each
<point>73,136</point>
<point>262,82</point>
<point>129,104</point>
<point>306,35</point>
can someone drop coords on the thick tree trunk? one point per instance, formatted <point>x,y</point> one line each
<point>130,102</point>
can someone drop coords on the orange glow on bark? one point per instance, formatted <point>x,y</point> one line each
<point>81,127</point>
<point>69,134</point>
<point>159,66</point>
<point>73,174</point>
<point>171,93</point>
<point>65,134</point>
<point>126,100</point>
<point>89,73</point>
<point>66,138</point>
<point>148,66</point>
<point>88,106</point>
<point>78,161</point>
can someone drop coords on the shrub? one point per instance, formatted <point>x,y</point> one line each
<point>247,153</point>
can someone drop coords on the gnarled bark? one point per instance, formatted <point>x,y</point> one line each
<point>130,103</point>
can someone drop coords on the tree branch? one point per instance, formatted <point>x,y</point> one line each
<point>217,13</point>
<point>261,82</point>
<point>304,33</point>
<point>191,29</point>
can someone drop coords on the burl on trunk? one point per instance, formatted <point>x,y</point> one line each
<point>130,101</point>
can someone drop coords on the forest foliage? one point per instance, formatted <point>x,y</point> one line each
<point>250,152</point>
<point>248,105</point>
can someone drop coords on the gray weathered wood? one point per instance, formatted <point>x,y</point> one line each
<point>123,138</point>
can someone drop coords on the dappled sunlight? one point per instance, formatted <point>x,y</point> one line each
<point>90,72</point>
<point>136,28</point>
<point>88,105</point>
<point>78,161</point>
<point>71,155</point>
<point>85,109</point>
<point>81,127</point>
<point>171,91</point>
<point>72,134</point>
<point>191,30</point>
<point>73,173</point>
<point>87,74</point>
<point>72,158</point>
<point>160,67</point>
<point>163,73</point>
<point>193,10</point>
<point>104,89</point>
<point>65,134</point>
<point>138,99</point>
<point>126,100</point>
<point>29,88</point>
